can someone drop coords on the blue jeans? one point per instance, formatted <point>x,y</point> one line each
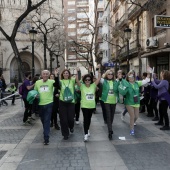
<point>45,115</point>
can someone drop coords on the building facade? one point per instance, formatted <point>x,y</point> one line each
<point>10,11</point>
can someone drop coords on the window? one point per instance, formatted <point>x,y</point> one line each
<point>71,18</point>
<point>71,56</point>
<point>71,10</point>
<point>71,2</point>
<point>100,14</point>
<point>71,25</point>
<point>74,64</point>
<point>71,33</point>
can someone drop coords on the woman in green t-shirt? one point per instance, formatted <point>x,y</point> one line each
<point>66,108</point>
<point>88,104</point>
<point>109,98</point>
<point>132,97</point>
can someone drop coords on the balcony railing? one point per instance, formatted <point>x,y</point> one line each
<point>133,10</point>
<point>82,3</point>
<point>123,20</point>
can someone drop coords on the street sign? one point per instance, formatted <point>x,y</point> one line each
<point>161,21</point>
<point>109,64</point>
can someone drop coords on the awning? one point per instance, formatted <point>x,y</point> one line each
<point>165,50</point>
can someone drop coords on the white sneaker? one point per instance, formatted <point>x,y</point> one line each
<point>77,122</point>
<point>134,124</point>
<point>86,138</point>
<point>88,133</point>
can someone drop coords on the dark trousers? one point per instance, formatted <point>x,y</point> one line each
<point>163,107</point>
<point>87,114</point>
<point>35,106</point>
<point>153,107</point>
<point>13,98</point>
<point>2,96</point>
<point>66,113</point>
<point>146,101</point>
<point>55,110</point>
<point>27,112</point>
<point>103,110</point>
<point>77,111</point>
<point>110,111</point>
<point>45,115</point>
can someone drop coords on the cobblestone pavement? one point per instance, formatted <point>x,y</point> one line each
<point>21,147</point>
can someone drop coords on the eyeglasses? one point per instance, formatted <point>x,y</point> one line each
<point>87,80</point>
<point>109,74</point>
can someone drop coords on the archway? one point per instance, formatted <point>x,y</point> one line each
<point>26,58</point>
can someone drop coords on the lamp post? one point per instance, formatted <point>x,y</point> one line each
<point>127,32</point>
<point>33,34</point>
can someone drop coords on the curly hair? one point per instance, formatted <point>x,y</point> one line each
<point>62,77</point>
<point>106,74</point>
<point>87,76</point>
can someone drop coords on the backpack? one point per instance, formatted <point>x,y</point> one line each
<point>67,95</point>
<point>21,92</point>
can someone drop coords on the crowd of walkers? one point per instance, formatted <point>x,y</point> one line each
<point>64,94</point>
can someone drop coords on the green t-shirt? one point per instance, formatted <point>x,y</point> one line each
<point>45,90</point>
<point>88,96</point>
<point>111,98</point>
<point>67,83</point>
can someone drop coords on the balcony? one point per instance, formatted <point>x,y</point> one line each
<point>123,20</point>
<point>115,5</point>
<point>133,11</point>
<point>82,4</point>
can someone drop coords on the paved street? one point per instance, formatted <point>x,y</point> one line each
<point>21,147</point>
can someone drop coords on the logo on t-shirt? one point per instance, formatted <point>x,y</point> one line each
<point>44,88</point>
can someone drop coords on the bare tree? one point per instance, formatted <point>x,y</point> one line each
<point>11,38</point>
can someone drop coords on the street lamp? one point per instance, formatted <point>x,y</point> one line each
<point>127,32</point>
<point>33,34</point>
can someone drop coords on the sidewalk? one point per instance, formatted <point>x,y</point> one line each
<point>21,147</point>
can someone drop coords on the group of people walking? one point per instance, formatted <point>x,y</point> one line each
<point>65,95</point>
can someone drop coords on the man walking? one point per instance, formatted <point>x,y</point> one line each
<point>45,88</point>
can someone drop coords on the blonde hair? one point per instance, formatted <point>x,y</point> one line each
<point>107,72</point>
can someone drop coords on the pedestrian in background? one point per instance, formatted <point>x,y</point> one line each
<point>12,89</point>
<point>28,107</point>
<point>164,98</point>
<point>16,81</point>
<point>55,108</point>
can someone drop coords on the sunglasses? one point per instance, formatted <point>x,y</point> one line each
<point>87,80</point>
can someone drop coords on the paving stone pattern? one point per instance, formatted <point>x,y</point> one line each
<point>2,153</point>
<point>12,136</point>
<point>55,135</point>
<point>146,156</point>
<point>57,158</point>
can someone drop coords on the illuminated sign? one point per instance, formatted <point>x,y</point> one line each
<point>162,21</point>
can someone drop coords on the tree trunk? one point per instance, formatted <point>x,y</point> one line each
<point>139,46</point>
<point>18,59</point>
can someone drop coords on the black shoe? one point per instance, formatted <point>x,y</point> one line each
<point>65,138</point>
<point>13,104</point>
<point>165,128</point>
<point>57,127</point>
<point>46,142</point>
<point>155,119</point>
<point>51,125</point>
<point>110,136</point>
<point>142,111</point>
<point>71,130</point>
<point>150,115</point>
<point>159,123</point>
